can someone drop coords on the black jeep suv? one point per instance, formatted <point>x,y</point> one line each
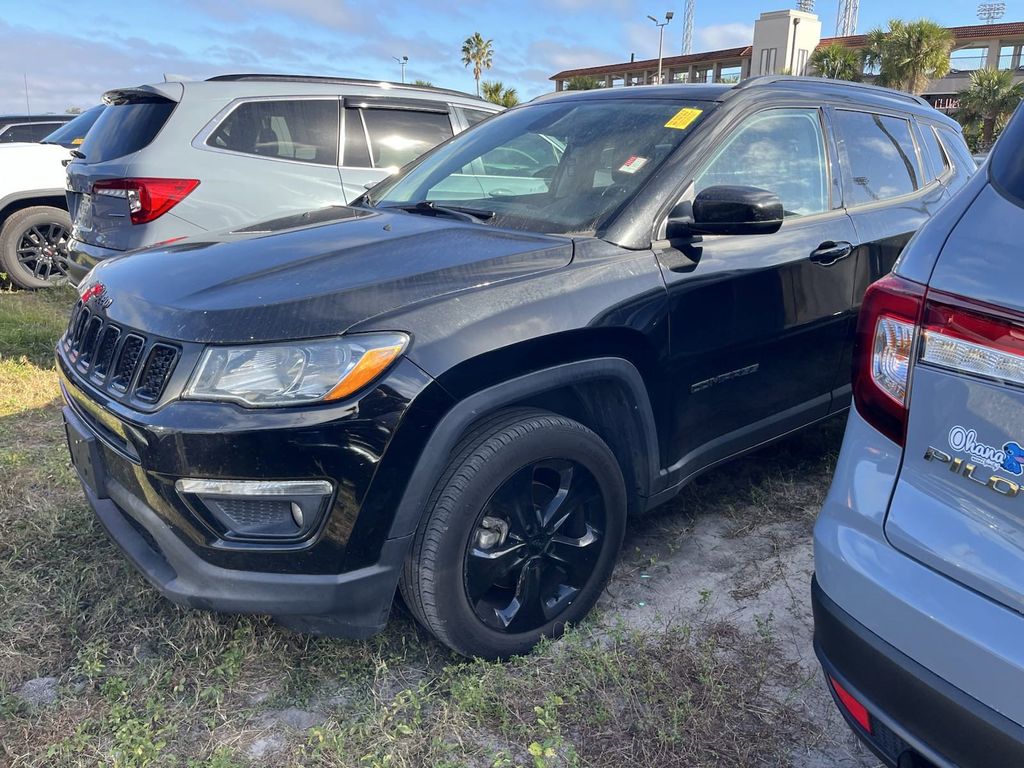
<point>461,385</point>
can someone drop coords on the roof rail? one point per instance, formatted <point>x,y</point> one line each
<point>275,78</point>
<point>752,82</point>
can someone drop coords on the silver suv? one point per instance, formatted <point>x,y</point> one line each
<point>919,548</point>
<point>176,159</point>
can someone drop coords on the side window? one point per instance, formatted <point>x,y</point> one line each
<point>934,152</point>
<point>474,116</point>
<point>357,152</point>
<point>398,136</point>
<point>27,132</point>
<point>294,129</point>
<point>882,160</point>
<point>957,149</point>
<point>780,150</point>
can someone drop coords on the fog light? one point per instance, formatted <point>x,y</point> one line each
<point>259,510</point>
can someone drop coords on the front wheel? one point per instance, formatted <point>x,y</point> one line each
<point>519,537</point>
<point>33,245</point>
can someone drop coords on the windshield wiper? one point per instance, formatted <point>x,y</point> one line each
<point>462,213</point>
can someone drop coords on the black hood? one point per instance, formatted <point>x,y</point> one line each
<point>265,284</point>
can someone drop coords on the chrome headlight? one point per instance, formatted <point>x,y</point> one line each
<point>294,373</point>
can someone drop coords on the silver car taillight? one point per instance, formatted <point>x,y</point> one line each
<point>978,341</point>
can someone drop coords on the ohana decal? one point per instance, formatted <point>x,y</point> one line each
<point>1009,458</point>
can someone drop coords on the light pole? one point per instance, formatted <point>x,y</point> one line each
<point>661,38</point>
<point>403,61</point>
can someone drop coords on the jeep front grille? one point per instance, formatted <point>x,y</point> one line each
<point>121,361</point>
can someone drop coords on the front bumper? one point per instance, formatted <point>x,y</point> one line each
<point>918,719</point>
<point>354,604</point>
<point>82,257</point>
<point>340,580</point>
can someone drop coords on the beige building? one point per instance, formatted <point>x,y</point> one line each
<point>783,42</point>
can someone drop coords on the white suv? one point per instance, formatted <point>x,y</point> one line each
<point>34,222</point>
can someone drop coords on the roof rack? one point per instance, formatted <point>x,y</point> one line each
<point>275,78</point>
<point>751,82</point>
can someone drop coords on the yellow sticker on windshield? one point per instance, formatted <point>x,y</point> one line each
<point>682,119</point>
<point>78,141</point>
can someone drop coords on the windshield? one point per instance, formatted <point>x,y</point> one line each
<point>72,133</point>
<point>560,168</point>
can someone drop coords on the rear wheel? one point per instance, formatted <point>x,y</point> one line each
<point>33,245</point>
<point>520,535</point>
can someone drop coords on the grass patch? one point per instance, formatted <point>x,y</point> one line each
<point>140,682</point>
<point>31,321</point>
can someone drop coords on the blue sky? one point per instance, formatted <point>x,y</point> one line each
<point>73,51</point>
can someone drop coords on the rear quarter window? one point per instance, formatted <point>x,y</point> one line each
<point>305,130</point>
<point>473,116</point>
<point>125,128</point>
<point>1007,163</point>
<point>935,153</point>
<point>882,159</point>
<point>957,149</point>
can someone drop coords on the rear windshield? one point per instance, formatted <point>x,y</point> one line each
<point>72,134</point>
<point>126,128</point>
<point>1007,164</point>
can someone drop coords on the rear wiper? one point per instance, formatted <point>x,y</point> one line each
<point>459,212</point>
<point>77,154</point>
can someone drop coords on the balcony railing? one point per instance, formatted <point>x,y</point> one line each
<point>966,63</point>
<point>972,63</point>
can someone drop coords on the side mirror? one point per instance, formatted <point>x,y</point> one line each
<point>727,210</point>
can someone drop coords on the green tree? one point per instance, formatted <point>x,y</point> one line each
<point>837,62</point>
<point>424,83</point>
<point>480,54</point>
<point>990,100</point>
<point>496,93</point>
<point>909,53</point>
<point>583,83</point>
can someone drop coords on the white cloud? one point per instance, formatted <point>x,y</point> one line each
<point>719,36</point>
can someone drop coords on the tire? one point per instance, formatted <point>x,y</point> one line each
<point>517,469</point>
<point>41,234</point>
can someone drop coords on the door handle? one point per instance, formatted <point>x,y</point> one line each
<point>829,252</point>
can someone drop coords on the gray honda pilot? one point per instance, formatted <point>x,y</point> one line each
<point>919,548</point>
<point>177,159</point>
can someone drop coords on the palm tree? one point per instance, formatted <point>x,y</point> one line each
<point>991,98</point>
<point>909,53</point>
<point>837,62</point>
<point>584,83</point>
<point>496,93</point>
<point>424,83</point>
<point>479,53</point>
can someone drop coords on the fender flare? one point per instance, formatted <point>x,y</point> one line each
<point>453,425</point>
<point>28,194</point>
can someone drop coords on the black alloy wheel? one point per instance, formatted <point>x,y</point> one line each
<point>33,246</point>
<point>537,542</point>
<point>41,250</point>
<point>519,536</point>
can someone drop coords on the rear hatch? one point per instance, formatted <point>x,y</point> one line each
<point>959,503</point>
<point>132,120</point>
